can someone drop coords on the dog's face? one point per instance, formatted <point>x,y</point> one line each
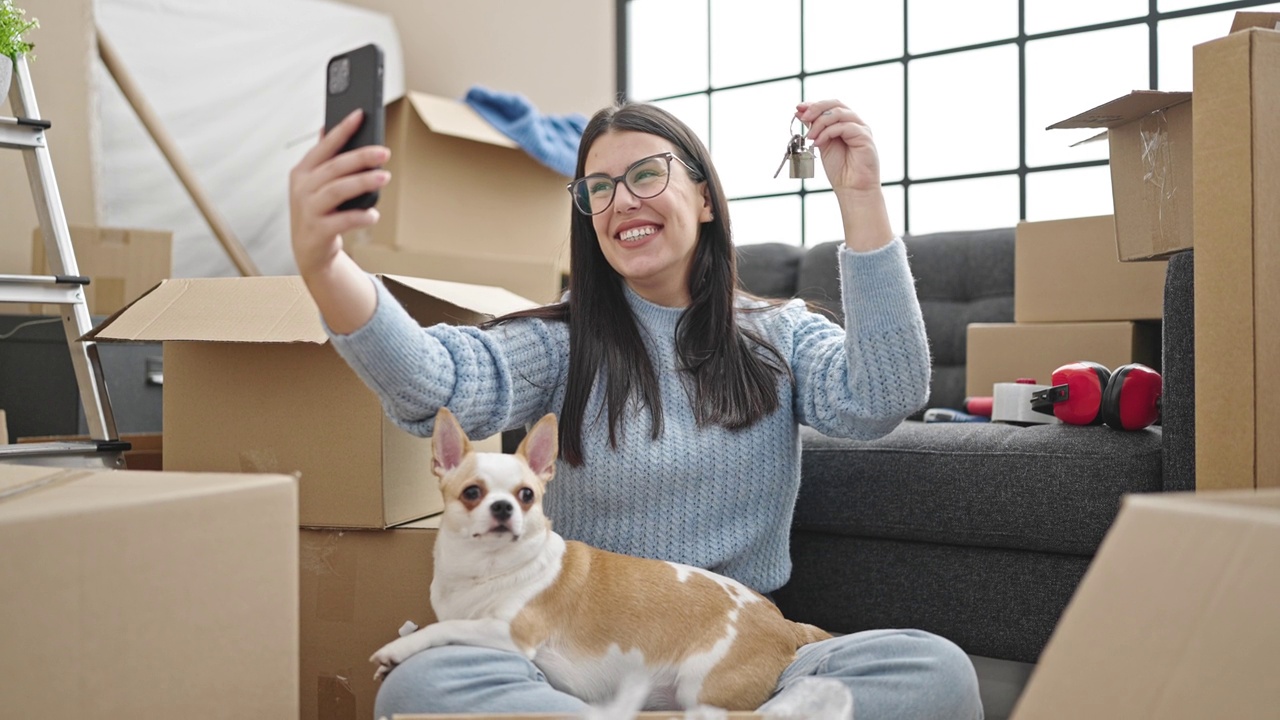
<point>492,497</point>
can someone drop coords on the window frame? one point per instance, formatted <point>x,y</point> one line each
<point>1151,19</point>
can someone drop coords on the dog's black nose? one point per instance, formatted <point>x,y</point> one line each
<point>501,510</point>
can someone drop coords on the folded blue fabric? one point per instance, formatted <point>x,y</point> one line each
<point>550,139</point>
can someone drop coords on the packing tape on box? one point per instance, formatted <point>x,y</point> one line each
<point>1012,404</point>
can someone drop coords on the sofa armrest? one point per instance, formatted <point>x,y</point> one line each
<point>1178,399</point>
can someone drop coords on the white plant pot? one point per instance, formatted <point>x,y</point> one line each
<point>6,75</point>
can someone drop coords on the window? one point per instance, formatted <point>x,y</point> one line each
<point>958,95</point>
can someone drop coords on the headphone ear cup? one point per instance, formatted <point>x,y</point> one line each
<point>1131,400</point>
<point>1085,383</point>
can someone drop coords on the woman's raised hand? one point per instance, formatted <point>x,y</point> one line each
<point>322,181</point>
<point>845,145</point>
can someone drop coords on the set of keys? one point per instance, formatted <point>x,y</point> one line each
<point>801,158</point>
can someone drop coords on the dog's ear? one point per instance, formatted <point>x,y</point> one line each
<point>448,443</point>
<point>540,447</point>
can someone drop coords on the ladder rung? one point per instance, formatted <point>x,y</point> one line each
<point>22,135</point>
<point>105,453</point>
<point>34,122</point>
<point>41,289</point>
<point>46,279</point>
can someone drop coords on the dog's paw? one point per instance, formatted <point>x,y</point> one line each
<point>391,655</point>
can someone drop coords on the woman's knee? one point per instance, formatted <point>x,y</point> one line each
<point>447,680</point>
<point>911,673</point>
<point>945,675</point>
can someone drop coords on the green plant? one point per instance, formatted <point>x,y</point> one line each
<point>13,29</point>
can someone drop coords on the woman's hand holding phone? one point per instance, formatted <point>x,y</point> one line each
<point>318,184</point>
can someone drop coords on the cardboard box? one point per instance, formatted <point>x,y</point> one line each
<point>139,594</point>
<point>538,279</point>
<point>458,185</point>
<point>121,264</point>
<point>1149,134</point>
<point>1004,352</point>
<point>1067,271</point>
<point>357,589</point>
<point>252,385</point>
<point>1175,618</point>
<point>1237,283</point>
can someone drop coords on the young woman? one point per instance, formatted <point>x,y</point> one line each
<point>678,397</point>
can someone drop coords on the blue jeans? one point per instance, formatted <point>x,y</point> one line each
<point>891,673</point>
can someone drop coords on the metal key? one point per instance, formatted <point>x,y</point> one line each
<point>802,164</point>
<point>794,149</point>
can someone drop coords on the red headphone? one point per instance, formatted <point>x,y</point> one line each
<point>1086,393</point>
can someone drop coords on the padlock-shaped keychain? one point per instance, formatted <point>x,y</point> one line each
<point>800,157</point>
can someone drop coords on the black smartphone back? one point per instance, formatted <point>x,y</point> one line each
<point>354,80</point>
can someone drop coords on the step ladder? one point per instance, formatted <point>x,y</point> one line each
<point>65,288</point>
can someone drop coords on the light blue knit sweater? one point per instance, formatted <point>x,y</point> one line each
<point>703,496</point>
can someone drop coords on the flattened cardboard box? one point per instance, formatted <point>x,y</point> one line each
<point>538,279</point>
<point>1237,268</point>
<point>141,594</point>
<point>1175,618</point>
<point>253,385</point>
<point>1004,352</point>
<point>1149,134</point>
<point>460,186</point>
<point>1067,271</point>
<point>121,264</point>
<point>358,587</point>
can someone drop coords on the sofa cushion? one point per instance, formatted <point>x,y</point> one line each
<point>961,278</point>
<point>1050,488</point>
<point>769,269</point>
<point>990,601</point>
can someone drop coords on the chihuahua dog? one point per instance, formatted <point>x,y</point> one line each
<point>587,618</point>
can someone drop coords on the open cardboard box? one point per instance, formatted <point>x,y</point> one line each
<point>253,385</point>
<point>1175,618</point>
<point>142,594</point>
<point>1149,134</point>
<point>460,186</point>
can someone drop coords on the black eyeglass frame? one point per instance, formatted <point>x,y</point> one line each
<point>668,156</point>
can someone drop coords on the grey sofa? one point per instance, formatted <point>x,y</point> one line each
<point>979,532</point>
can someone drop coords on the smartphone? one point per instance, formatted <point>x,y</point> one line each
<point>354,80</point>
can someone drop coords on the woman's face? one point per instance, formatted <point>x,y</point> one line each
<point>650,243</point>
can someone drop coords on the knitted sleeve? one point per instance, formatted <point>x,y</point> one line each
<point>492,380</point>
<point>863,380</point>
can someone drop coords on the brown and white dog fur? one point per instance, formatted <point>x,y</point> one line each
<point>587,618</point>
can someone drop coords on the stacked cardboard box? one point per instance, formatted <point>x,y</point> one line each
<point>465,203</point>
<point>253,385</point>
<point>142,594</point>
<point>1073,300</point>
<point>1237,228</point>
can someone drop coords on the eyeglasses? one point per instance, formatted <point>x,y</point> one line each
<point>646,178</point>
